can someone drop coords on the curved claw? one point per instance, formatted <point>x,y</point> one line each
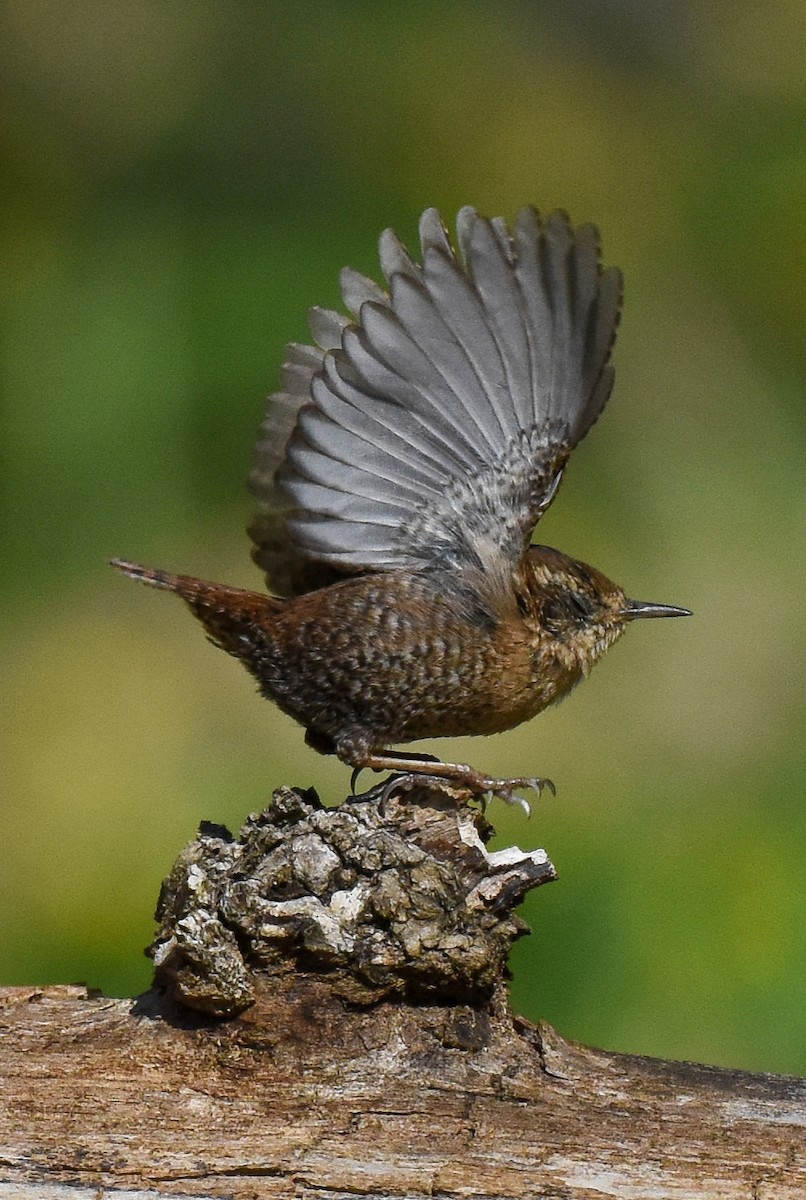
<point>537,785</point>
<point>521,801</point>
<point>383,790</point>
<point>354,779</point>
<point>505,789</point>
<point>398,781</point>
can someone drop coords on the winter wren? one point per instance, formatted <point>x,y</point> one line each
<point>400,474</point>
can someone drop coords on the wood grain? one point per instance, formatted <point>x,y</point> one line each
<point>304,1093</point>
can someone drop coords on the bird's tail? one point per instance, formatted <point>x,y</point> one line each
<point>237,620</point>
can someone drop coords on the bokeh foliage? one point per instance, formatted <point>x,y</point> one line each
<point>181,182</point>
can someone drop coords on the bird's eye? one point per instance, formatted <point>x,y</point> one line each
<point>566,611</point>
<point>580,605</point>
<point>555,615</point>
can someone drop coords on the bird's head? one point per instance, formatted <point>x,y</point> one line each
<point>577,611</point>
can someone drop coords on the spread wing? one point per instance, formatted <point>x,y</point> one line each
<point>430,430</point>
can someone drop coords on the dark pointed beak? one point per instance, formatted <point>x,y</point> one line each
<point>640,608</point>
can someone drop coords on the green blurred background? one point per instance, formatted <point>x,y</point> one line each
<point>182,181</point>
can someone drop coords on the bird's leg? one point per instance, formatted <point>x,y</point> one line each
<point>410,770</point>
<point>405,759</point>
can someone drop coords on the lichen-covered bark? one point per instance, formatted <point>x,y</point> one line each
<point>396,897</point>
<point>373,1053</point>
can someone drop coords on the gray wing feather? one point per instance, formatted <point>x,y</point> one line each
<point>327,327</point>
<point>333,465</point>
<point>432,429</point>
<point>489,259</point>
<point>412,441</point>
<point>394,257</point>
<point>356,290</point>
<point>410,391</point>
<point>464,315</point>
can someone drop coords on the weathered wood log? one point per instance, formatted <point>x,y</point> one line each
<point>372,1051</point>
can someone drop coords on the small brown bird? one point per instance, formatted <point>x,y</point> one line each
<point>400,474</point>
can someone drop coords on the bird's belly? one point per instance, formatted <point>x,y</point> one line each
<point>401,668</point>
<point>496,703</point>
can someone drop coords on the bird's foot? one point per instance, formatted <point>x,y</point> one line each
<point>481,787</point>
<point>464,778</point>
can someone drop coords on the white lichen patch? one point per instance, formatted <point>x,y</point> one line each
<point>347,905</point>
<point>776,1112</point>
